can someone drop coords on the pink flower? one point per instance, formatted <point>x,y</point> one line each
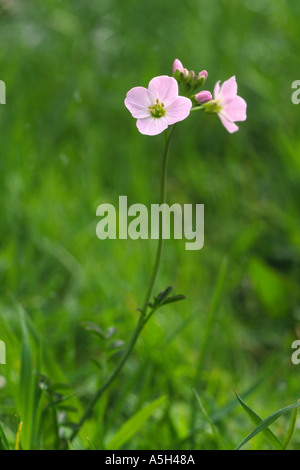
<point>203,96</point>
<point>230,106</point>
<point>158,106</point>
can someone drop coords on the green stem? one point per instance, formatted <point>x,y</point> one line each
<point>198,108</point>
<point>163,189</point>
<point>143,318</point>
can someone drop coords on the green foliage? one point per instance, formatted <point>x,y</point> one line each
<point>132,426</point>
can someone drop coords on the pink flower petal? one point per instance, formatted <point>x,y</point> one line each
<point>217,90</point>
<point>230,126</point>
<point>137,101</point>
<point>164,88</point>
<point>235,110</point>
<point>178,110</point>
<point>229,88</point>
<point>151,125</point>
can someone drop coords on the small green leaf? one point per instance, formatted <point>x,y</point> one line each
<point>174,298</point>
<point>163,298</point>
<point>110,332</point>
<point>164,294</point>
<point>93,328</point>
<point>117,344</point>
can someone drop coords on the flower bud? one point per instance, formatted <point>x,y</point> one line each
<point>203,97</point>
<point>177,65</point>
<point>178,70</point>
<point>203,74</point>
<point>192,78</point>
<point>201,78</point>
<point>182,75</point>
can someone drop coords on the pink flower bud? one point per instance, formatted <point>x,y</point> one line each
<point>203,96</point>
<point>203,74</point>
<point>177,65</point>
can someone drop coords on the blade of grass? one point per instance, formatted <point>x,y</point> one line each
<point>212,315</point>
<point>223,412</point>
<point>209,421</point>
<point>26,385</point>
<point>266,423</point>
<point>274,441</point>
<point>17,445</point>
<point>4,445</point>
<point>291,428</point>
<point>206,343</point>
<point>130,428</point>
<point>91,444</point>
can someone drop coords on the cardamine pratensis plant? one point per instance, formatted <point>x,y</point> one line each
<point>158,109</point>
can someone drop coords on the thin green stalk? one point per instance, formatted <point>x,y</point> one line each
<point>197,108</point>
<point>143,318</point>
<point>163,189</point>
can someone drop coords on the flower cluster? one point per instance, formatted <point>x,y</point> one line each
<point>160,105</point>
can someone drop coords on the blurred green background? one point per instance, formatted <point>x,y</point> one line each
<point>69,144</point>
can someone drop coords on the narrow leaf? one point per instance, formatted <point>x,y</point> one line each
<point>17,445</point>
<point>91,444</point>
<point>291,428</point>
<point>267,422</point>
<point>274,441</point>
<point>208,419</point>
<point>4,445</point>
<point>130,428</point>
<point>110,332</point>
<point>174,298</point>
<point>26,385</point>
<point>92,328</point>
